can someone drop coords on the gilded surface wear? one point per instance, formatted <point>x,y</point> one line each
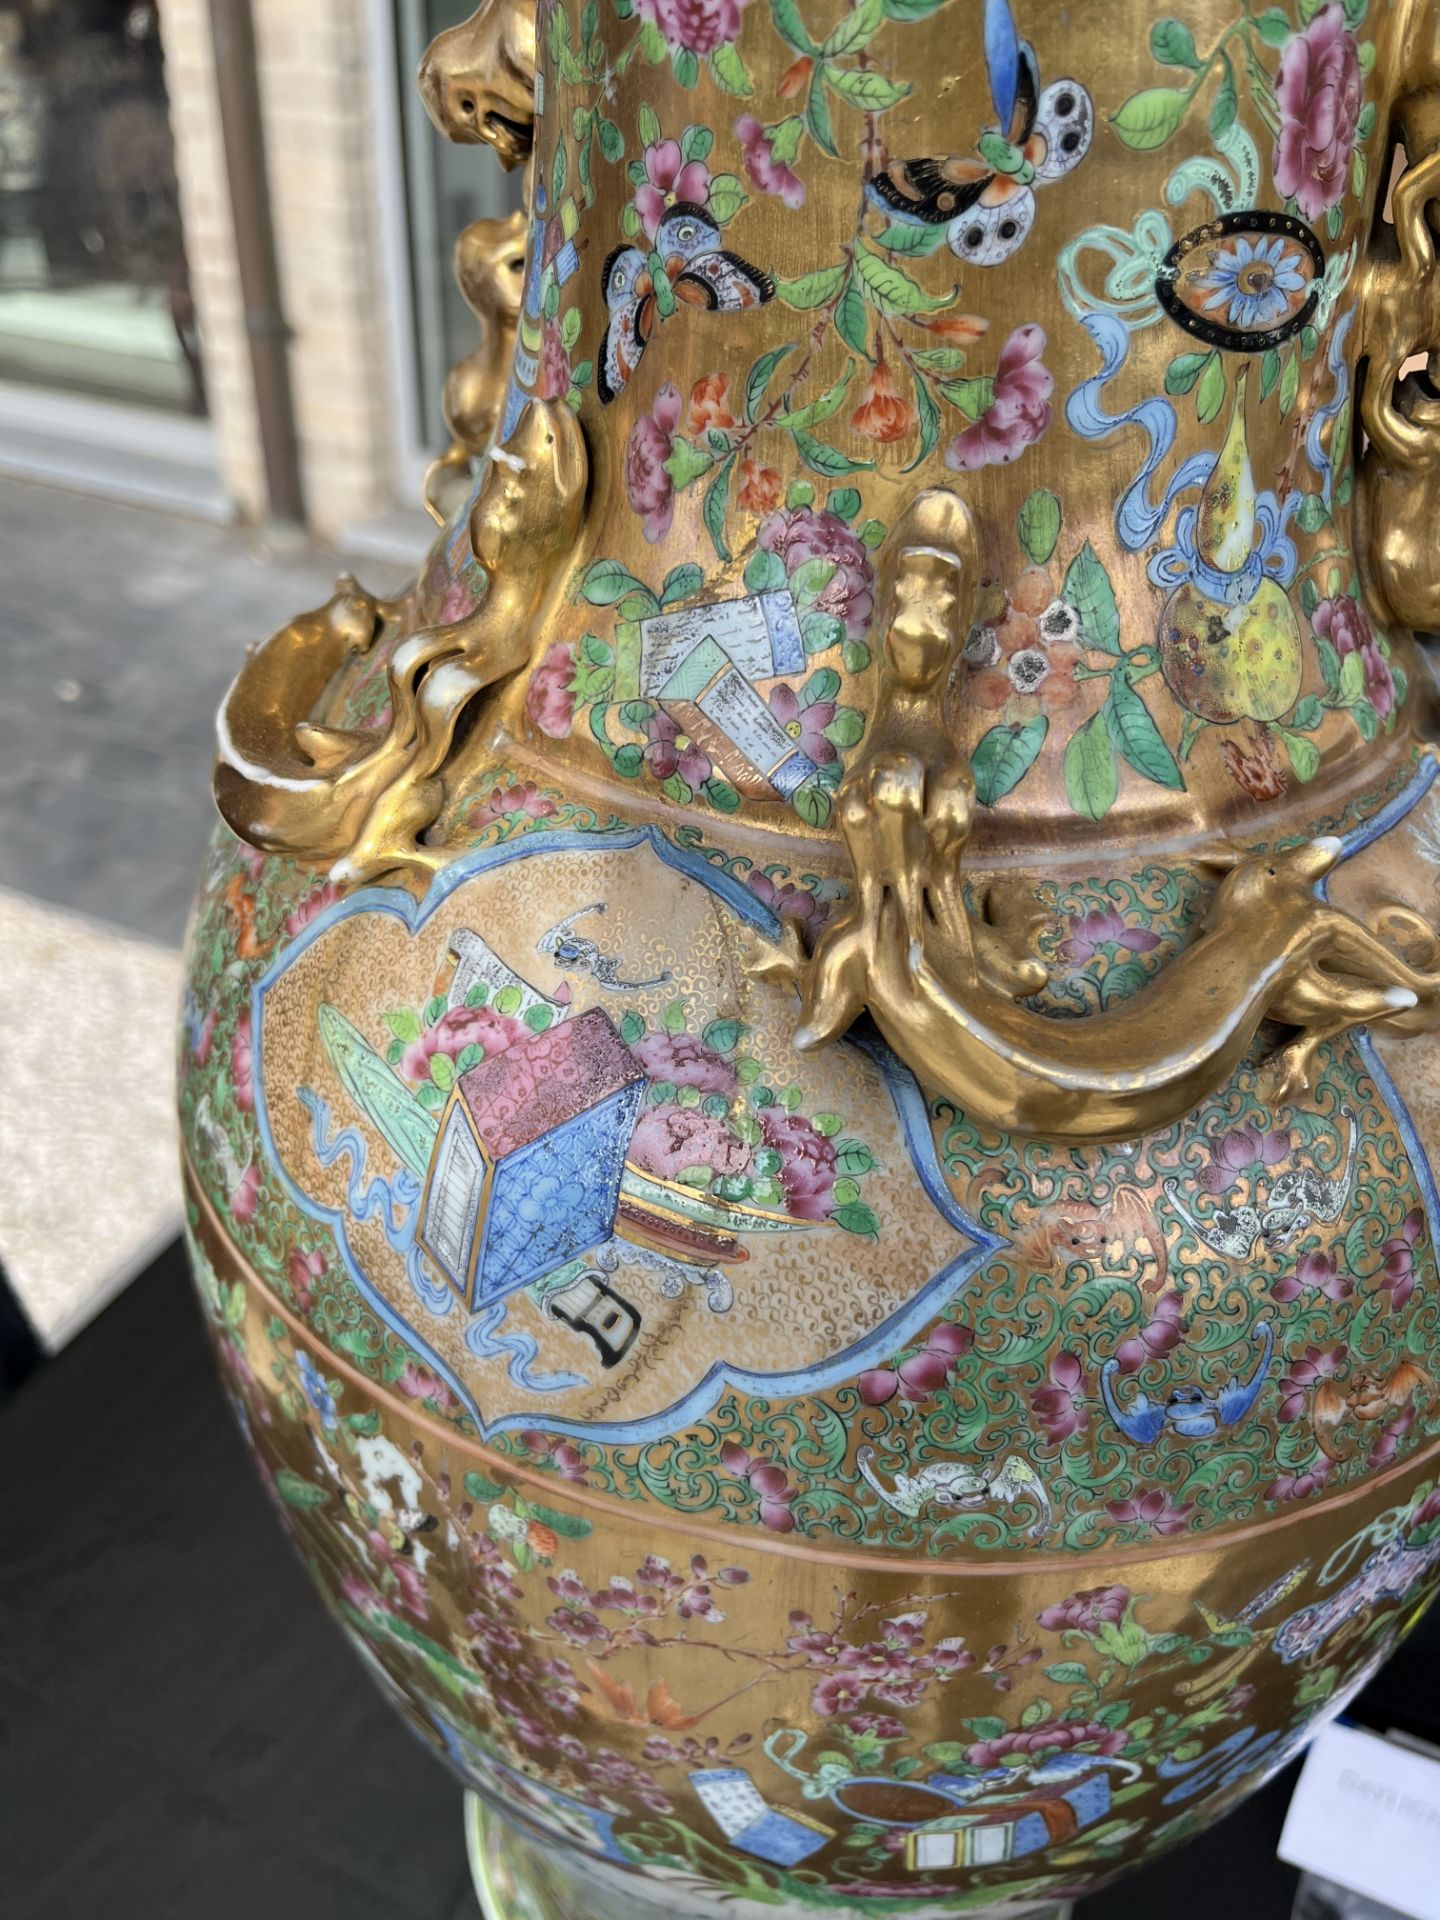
<point>808,1093</point>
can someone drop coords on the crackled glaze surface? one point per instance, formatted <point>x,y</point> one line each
<point>742,1465</point>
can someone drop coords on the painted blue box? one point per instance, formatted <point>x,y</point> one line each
<point>527,1164</point>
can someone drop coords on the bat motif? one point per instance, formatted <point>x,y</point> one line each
<point>1367,1398</point>
<point>572,952</point>
<point>987,203</point>
<point>1190,1412</point>
<point>1294,1202</point>
<point>696,271</point>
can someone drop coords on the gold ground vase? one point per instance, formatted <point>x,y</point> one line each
<point>810,1070</point>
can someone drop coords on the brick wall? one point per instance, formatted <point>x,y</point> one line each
<point>316,95</point>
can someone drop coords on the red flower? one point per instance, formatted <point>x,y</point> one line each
<point>1064,1735</point>
<point>710,403</point>
<point>805,725</point>
<point>1091,932</point>
<point>1255,768</point>
<point>760,487</point>
<point>787,903</point>
<point>688,1062</point>
<point>807,1169</point>
<point>1060,1407</point>
<point>1087,1611</point>
<point>311,907</point>
<point>524,797</point>
<point>1343,623</point>
<point>668,752</point>
<point>883,413</point>
<point>1299,1486</point>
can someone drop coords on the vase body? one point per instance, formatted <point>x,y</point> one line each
<point>772,1482</point>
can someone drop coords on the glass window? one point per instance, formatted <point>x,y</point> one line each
<point>446,188</point>
<point>94,290</point>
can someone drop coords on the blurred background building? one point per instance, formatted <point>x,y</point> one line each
<point>130,192</point>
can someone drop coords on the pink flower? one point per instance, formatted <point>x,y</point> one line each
<point>1343,622</point>
<point>554,364</point>
<point>458,1029</point>
<point>668,178</point>
<point>1242,1150</point>
<point>1087,1610</point>
<point>787,903</point>
<point>1314,1365</point>
<point>1387,1446</point>
<point>801,534</point>
<point>924,1373</point>
<point>305,1269</point>
<point>566,1459</point>
<point>1319,93</point>
<point>1399,1269</point>
<point>311,907</point>
<point>1299,1486</point>
<point>652,440</point>
<point>1064,1735</point>
<point>1162,1332</point>
<point>807,1169</point>
<point>668,752</point>
<point>1102,927</point>
<point>1153,1509</point>
<point>549,699</point>
<point>242,1063</point>
<point>1316,1272</point>
<point>669,1138</point>
<point>1060,1407</point>
<point>805,725</point>
<point>686,1061</point>
<point>697,25</point>
<point>766,172</point>
<point>1019,410</point>
<point>418,1383</point>
<point>246,1197</point>
<point>838,1693</point>
<point>205,1038</point>
<point>524,797</point>
<point>771,1485</point>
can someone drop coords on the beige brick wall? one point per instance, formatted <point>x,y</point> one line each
<point>316,94</point>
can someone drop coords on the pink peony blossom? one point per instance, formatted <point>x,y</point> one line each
<point>458,1029</point>
<point>797,535</point>
<point>1062,1735</point>
<point>766,172</point>
<point>1320,93</point>
<point>669,1138</point>
<point>698,26</point>
<point>807,1170</point>
<point>524,797</point>
<point>685,1061</point>
<point>650,489</point>
<point>246,1198</point>
<point>1087,1611</point>
<point>1343,622</point>
<point>304,1270</point>
<point>549,699</point>
<point>669,177</point>
<point>1102,927</point>
<point>1019,411</point>
<point>554,364</point>
<point>1060,1407</point>
<point>418,1383</point>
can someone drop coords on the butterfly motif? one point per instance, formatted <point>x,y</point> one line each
<point>700,273</point>
<point>987,204</point>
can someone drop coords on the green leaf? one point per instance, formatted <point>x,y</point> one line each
<point>819,409</point>
<point>764,571</point>
<point>1068,1673</point>
<point>1092,778</point>
<point>972,397</point>
<point>938,359</point>
<point>891,289</point>
<point>812,289</point>
<point>1274,27</point>
<point>759,378</point>
<point>917,240</point>
<point>1269,371</point>
<point>813,804</point>
<point>1289,384</point>
<point>908,10</point>
<point>717,497</point>
<point>1210,394</point>
<point>1004,756</point>
<point>1309,714</point>
<point>539,1019</point>
<point>729,71</point>
<point>570,327</point>
<point>632,1028</point>
<point>852,318</point>
<point>826,460</point>
<point>298,1492</point>
<point>785,138</point>
<point>607,581</point>
<point>442,1071</point>
<point>367,1425</point>
<point>817,115</point>
<point>1135,735</point>
<point>647,124</point>
<point>686,66</point>
<point>727,196</point>
<point>1303,754</point>
<point>847,729</point>
<point>612,141</point>
<point>404,1023</point>
<point>1184,370</point>
<point>821,631</point>
<point>1340,438</point>
<point>1088,590</point>
<point>1312,514</point>
<point>1225,109</point>
<point>721,795</point>
<point>789,25</point>
<point>1148,119</point>
<point>858,1218</point>
<point>856,30</point>
<point>1038,526</point>
<point>1352,678</point>
<point>480,1488</point>
<point>843,502</point>
<point>823,684</point>
<point>866,88</point>
<point>1173,44</point>
<point>928,409</point>
<point>468,1058</point>
<point>680,583</point>
<point>686,462</point>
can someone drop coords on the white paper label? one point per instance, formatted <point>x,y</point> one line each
<point>1366,1814</point>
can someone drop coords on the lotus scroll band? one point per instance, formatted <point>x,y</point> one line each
<point>946,985</point>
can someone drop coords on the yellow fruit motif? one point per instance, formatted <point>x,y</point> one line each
<point>1227,660</point>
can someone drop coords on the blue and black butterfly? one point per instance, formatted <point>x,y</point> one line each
<point>699,273</point>
<point>987,204</point>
